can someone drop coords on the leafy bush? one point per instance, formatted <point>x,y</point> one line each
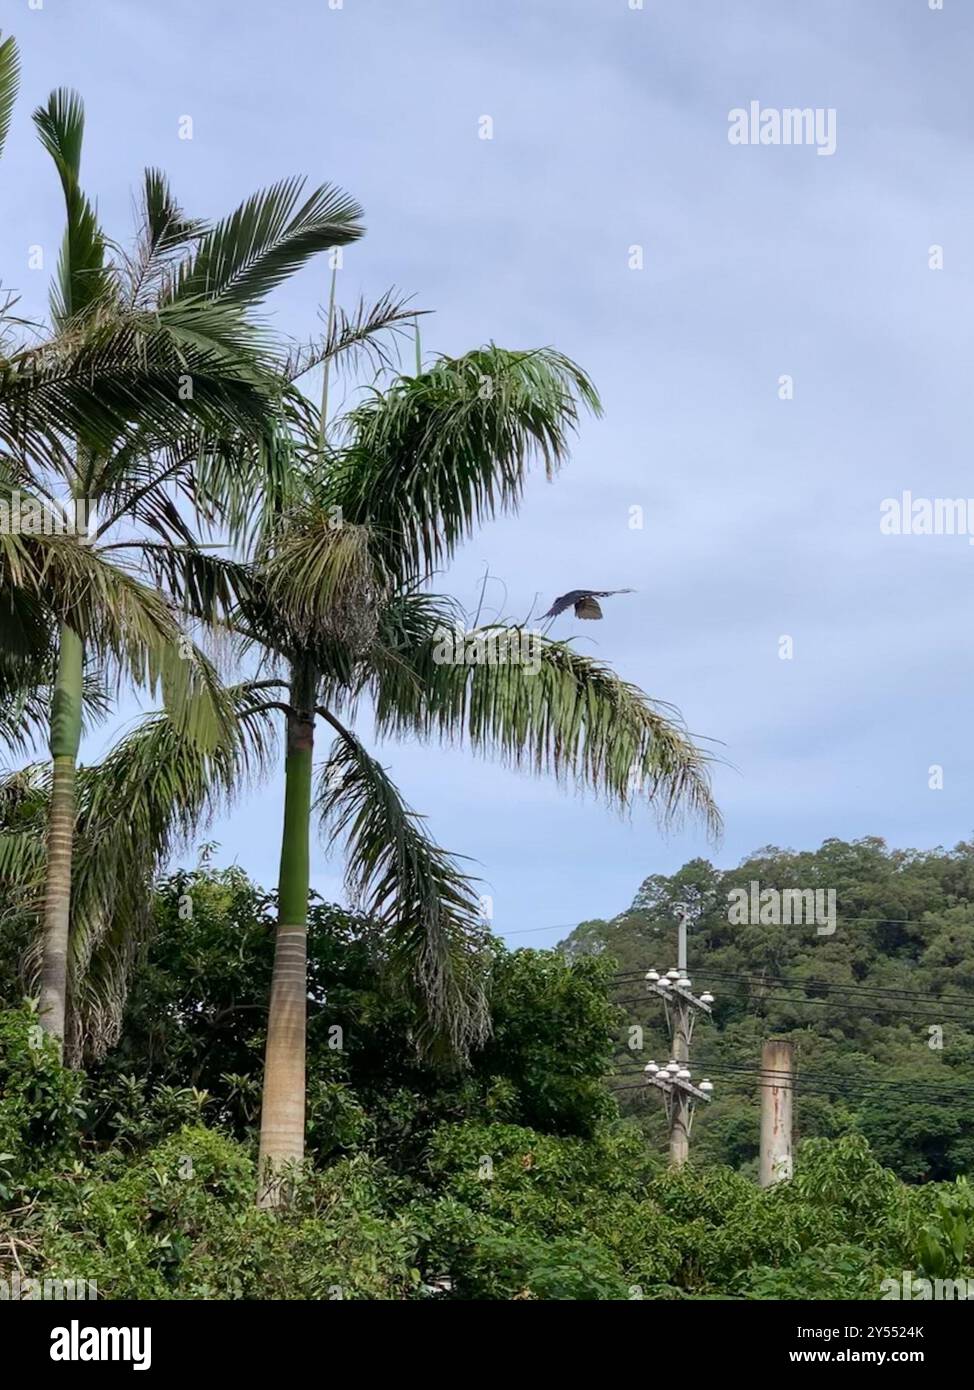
<point>180,1222</point>
<point>41,1108</point>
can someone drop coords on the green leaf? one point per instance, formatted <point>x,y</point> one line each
<point>427,906</point>
<point>267,239</point>
<point>9,84</point>
<point>81,280</point>
<point>433,456</point>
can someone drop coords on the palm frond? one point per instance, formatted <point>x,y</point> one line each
<point>81,279</point>
<point>435,454</point>
<point>109,382</point>
<point>24,803</point>
<point>25,626</point>
<point>26,685</point>
<point>9,84</point>
<point>129,624</point>
<point>210,588</point>
<point>165,237</point>
<point>155,789</point>
<point>25,708</point>
<point>356,337</point>
<point>415,891</point>
<point>542,705</point>
<point>265,240</point>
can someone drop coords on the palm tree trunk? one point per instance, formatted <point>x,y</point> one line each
<point>65,742</point>
<point>283,1100</point>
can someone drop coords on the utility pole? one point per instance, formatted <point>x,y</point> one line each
<point>777,1090</point>
<point>681,1027</point>
<point>681,1008</point>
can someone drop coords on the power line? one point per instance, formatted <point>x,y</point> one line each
<point>927,1084</point>
<point>813,982</point>
<point>615,922</point>
<point>816,980</point>
<point>839,921</point>
<point>528,931</point>
<point>954,1086</point>
<point>892,1006</point>
<point>807,1088</point>
<point>800,1089</point>
<point>817,1083</point>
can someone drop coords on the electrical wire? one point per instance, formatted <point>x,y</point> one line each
<point>817,1083</point>
<point>811,982</point>
<point>891,1006</point>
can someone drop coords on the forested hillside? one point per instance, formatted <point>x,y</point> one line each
<point>880,1009</point>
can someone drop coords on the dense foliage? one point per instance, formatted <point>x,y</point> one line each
<point>513,1179</point>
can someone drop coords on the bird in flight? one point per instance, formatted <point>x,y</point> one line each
<point>583,601</point>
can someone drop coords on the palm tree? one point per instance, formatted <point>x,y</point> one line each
<point>141,802</point>
<point>335,594</point>
<point>146,400</point>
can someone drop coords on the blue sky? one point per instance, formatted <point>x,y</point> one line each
<point>761,515</point>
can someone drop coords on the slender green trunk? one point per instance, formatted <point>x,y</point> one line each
<point>283,1100</point>
<point>65,742</point>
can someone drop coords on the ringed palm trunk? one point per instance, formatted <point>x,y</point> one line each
<point>65,742</point>
<point>283,1099</point>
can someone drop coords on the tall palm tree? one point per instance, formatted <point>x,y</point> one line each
<point>185,387</point>
<point>418,466</point>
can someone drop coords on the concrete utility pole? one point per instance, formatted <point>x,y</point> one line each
<point>681,1027</point>
<point>777,1090</point>
<point>681,1008</point>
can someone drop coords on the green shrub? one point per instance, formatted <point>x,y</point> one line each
<point>180,1222</point>
<point>41,1106</point>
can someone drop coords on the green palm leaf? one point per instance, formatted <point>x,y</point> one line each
<point>81,279</point>
<point>9,84</point>
<point>265,240</point>
<point>131,379</point>
<point>405,882</point>
<point>165,236</point>
<point>128,622</point>
<point>434,455</point>
<point>356,337</point>
<point>540,704</point>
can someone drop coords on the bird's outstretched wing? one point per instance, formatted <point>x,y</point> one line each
<point>582,600</point>
<point>565,601</point>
